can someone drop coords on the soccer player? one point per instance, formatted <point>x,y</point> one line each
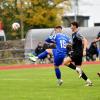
<point>98,40</point>
<point>61,40</point>
<point>79,46</point>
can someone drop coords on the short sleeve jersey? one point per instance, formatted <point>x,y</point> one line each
<point>77,42</point>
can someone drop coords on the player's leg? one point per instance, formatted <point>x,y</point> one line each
<point>45,53</point>
<point>78,64</point>
<point>58,59</point>
<point>41,55</point>
<point>67,62</point>
<point>73,57</point>
<point>77,67</point>
<point>58,75</point>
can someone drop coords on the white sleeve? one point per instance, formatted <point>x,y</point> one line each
<point>80,36</point>
<point>52,37</point>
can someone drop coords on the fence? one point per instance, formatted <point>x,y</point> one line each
<point>12,56</point>
<point>12,51</point>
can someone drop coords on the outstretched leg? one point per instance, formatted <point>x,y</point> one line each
<point>41,56</point>
<point>67,62</point>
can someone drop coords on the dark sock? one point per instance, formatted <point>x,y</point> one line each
<point>58,73</point>
<point>84,76</point>
<point>72,66</point>
<point>43,55</point>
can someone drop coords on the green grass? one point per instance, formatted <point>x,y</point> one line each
<point>40,84</point>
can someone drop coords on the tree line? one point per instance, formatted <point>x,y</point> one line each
<point>30,14</point>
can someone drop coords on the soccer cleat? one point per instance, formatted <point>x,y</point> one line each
<point>32,57</point>
<point>88,83</point>
<point>59,83</point>
<point>98,74</point>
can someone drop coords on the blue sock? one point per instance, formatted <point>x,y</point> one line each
<point>58,73</point>
<point>43,55</point>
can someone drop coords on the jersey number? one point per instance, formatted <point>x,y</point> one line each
<point>63,43</point>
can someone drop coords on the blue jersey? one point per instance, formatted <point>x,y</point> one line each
<point>61,40</point>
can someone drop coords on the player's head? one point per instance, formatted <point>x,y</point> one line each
<point>58,29</point>
<point>40,44</point>
<point>74,26</point>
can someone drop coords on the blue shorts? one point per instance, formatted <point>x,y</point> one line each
<point>58,57</point>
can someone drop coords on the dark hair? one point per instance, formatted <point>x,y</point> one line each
<point>59,27</point>
<point>75,24</point>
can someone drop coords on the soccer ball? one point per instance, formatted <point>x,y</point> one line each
<point>15,26</point>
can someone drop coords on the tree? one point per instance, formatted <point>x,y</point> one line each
<point>30,13</point>
<point>42,14</point>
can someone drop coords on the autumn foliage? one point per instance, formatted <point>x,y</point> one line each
<point>30,14</point>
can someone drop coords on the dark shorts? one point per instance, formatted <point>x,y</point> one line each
<point>76,58</point>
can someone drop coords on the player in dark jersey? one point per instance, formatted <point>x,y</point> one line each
<point>79,45</point>
<point>59,53</point>
<point>98,40</point>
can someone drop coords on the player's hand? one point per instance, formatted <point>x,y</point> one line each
<point>84,53</point>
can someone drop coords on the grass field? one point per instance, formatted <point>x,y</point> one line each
<point>40,84</point>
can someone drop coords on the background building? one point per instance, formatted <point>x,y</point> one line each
<point>82,20</point>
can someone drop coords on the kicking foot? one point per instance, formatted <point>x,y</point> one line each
<point>32,57</point>
<point>88,83</point>
<point>59,83</point>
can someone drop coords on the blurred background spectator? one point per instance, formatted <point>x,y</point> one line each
<point>92,52</point>
<point>39,49</point>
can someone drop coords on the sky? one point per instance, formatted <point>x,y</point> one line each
<point>90,8</point>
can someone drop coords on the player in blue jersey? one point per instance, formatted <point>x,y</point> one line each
<point>61,40</point>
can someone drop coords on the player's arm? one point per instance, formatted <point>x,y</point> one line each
<point>69,47</point>
<point>69,44</point>
<point>51,39</point>
<point>85,43</point>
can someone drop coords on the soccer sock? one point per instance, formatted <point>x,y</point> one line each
<point>84,76</point>
<point>72,66</point>
<point>43,55</point>
<point>79,70</point>
<point>58,73</point>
